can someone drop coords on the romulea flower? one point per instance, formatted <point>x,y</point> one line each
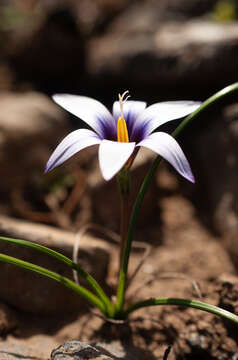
<point>120,134</point>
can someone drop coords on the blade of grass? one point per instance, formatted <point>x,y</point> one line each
<point>87,277</point>
<point>145,185</point>
<point>183,302</point>
<point>83,292</point>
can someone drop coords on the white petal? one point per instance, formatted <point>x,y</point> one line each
<point>113,155</point>
<point>91,111</point>
<point>160,113</point>
<point>131,110</point>
<point>168,148</point>
<point>70,145</point>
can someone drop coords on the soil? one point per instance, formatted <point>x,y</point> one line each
<point>187,261</point>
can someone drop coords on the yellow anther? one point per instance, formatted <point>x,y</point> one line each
<point>122,132</point>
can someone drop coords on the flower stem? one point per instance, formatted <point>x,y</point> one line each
<point>145,185</point>
<point>183,302</point>
<point>124,189</point>
<point>123,273</point>
<point>124,225</point>
<point>83,292</point>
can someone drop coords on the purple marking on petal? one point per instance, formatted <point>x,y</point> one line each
<point>70,145</point>
<point>160,113</point>
<point>139,133</point>
<point>167,147</point>
<point>91,111</point>
<point>131,110</point>
<point>108,130</point>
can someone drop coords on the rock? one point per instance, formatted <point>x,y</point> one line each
<point>30,125</point>
<point>216,193</point>
<point>94,15</point>
<point>29,114</point>
<point>52,46</point>
<point>78,350</point>
<point>10,350</point>
<point>34,293</point>
<point>8,320</point>
<point>158,57</point>
<point>52,56</point>
<point>147,16</point>
<point>184,9</point>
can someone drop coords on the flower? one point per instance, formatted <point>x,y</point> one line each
<point>119,134</point>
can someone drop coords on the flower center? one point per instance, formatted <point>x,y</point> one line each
<point>122,132</point>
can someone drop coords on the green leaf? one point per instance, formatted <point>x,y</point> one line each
<point>145,185</point>
<point>87,277</point>
<point>184,302</point>
<point>83,292</point>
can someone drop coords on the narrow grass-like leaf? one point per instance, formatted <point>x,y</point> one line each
<point>83,292</point>
<point>87,277</point>
<point>145,185</point>
<point>184,302</point>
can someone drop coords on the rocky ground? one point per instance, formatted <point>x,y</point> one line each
<point>186,261</point>
<point>166,50</point>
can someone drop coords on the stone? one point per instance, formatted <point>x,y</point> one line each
<point>14,350</point>
<point>78,350</point>
<point>215,167</point>
<point>51,55</point>
<point>28,114</point>
<point>30,125</point>
<point>8,321</point>
<point>157,57</point>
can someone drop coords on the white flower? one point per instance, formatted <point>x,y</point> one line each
<point>119,134</point>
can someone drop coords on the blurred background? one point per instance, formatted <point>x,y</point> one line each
<point>158,50</point>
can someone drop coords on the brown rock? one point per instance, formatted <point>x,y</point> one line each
<point>186,54</point>
<point>213,144</point>
<point>29,114</point>
<point>8,320</point>
<point>29,124</point>
<point>51,55</point>
<point>16,351</point>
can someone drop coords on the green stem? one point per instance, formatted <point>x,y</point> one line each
<point>183,302</point>
<point>207,103</point>
<point>83,292</point>
<point>87,277</point>
<point>124,189</point>
<point>123,273</point>
<point>124,225</point>
<point>145,185</point>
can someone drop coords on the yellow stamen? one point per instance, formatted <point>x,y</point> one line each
<point>122,132</point>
